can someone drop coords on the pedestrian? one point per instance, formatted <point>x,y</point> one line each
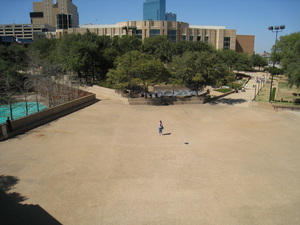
<point>160,128</point>
<point>8,125</point>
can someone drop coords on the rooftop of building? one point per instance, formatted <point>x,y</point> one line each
<point>119,24</point>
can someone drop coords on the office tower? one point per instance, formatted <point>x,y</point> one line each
<point>61,14</point>
<point>171,17</point>
<point>155,10</point>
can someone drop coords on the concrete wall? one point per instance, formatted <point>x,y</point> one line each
<point>32,121</point>
<point>245,43</point>
<point>102,92</point>
<point>166,101</point>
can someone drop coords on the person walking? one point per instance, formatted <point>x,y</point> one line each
<point>160,128</point>
<point>8,125</point>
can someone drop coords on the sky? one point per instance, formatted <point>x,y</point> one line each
<point>247,17</point>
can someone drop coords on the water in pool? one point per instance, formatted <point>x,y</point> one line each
<point>19,110</point>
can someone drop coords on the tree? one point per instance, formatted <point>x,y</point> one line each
<point>287,48</point>
<point>190,46</point>
<point>149,72</point>
<point>293,74</point>
<point>45,48</point>
<point>137,69</point>
<point>199,69</point>
<point>235,60</point>
<point>12,61</point>
<point>160,47</point>
<point>258,61</point>
<point>289,53</point>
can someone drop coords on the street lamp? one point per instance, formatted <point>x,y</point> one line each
<point>275,29</point>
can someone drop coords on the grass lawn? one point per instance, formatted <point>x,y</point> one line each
<point>263,95</point>
<point>284,94</point>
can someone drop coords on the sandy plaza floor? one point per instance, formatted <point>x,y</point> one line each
<point>215,164</point>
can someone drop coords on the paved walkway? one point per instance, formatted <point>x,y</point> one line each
<point>106,164</point>
<point>241,99</point>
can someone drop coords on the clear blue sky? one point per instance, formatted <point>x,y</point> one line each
<point>247,17</point>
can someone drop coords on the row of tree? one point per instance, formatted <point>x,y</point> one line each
<point>91,56</point>
<point>288,53</point>
<point>123,62</point>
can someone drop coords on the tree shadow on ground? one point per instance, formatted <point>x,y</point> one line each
<point>227,101</point>
<point>12,212</point>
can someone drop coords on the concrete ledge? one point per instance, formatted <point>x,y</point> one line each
<point>107,93</point>
<point>166,101</point>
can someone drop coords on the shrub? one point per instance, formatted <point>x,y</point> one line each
<point>223,90</point>
<point>273,94</point>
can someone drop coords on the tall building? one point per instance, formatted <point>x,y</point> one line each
<point>171,17</point>
<point>155,10</point>
<point>61,14</point>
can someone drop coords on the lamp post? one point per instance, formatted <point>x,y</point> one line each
<point>275,29</point>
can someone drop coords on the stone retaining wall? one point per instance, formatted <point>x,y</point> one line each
<point>166,101</point>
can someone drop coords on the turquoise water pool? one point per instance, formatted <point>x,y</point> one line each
<point>19,110</point>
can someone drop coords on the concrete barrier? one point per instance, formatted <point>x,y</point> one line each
<point>166,101</point>
<point>34,120</point>
<point>102,92</point>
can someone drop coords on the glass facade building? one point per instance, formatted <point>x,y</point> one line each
<point>171,17</point>
<point>155,10</point>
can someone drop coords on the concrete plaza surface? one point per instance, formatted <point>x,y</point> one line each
<point>216,164</point>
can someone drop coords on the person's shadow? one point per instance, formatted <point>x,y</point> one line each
<point>167,134</point>
<point>12,212</point>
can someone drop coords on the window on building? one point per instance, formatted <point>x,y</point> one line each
<point>198,38</point>
<point>154,33</point>
<point>63,21</point>
<point>226,42</point>
<point>183,37</point>
<point>139,34</point>
<point>206,39</point>
<point>172,34</point>
<point>191,38</point>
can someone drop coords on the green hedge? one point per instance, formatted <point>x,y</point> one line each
<point>273,94</point>
<point>223,90</point>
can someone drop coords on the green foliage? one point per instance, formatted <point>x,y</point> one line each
<point>293,74</point>
<point>189,46</point>
<point>137,69</point>
<point>258,61</point>
<point>13,60</point>
<point>273,94</point>
<point>288,48</point>
<point>288,53</point>
<point>234,60</point>
<point>160,47</point>
<point>224,90</point>
<point>274,70</point>
<point>127,61</point>
<point>235,85</point>
<point>199,69</point>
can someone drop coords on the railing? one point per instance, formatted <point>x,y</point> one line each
<point>285,107</point>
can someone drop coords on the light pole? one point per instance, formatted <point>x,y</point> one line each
<point>275,29</point>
